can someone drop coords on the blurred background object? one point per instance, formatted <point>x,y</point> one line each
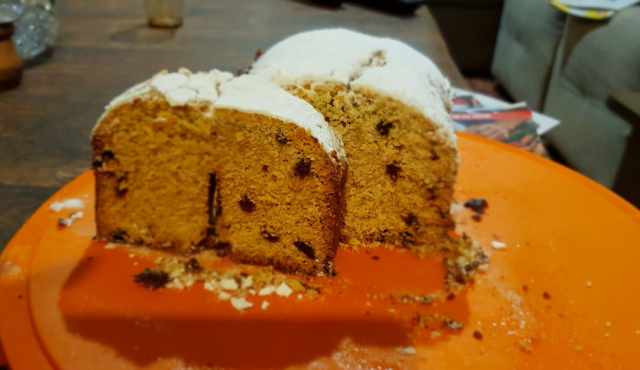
<point>36,28</point>
<point>569,67</point>
<point>164,13</point>
<point>10,63</point>
<point>470,28</point>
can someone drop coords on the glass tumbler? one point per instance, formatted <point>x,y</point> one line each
<point>164,13</point>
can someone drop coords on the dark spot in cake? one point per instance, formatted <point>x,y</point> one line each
<point>384,127</point>
<point>213,204</point>
<point>247,205</point>
<point>393,171</point>
<point>303,167</point>
<point>452,324</point>
<point>19,296</point>
<point>476,217</point>
<point>242,71</point>
<point>211,231</point>
<point>108,154</point>
<point>411,219</point>
<point>434,156</point>
<point>282,138</point>
<point>270,236</point>
<point>525,287</point>
<point>118,235</point>
<point>221,245</point>
<point>451,296</point>
<point>152,279</point>
<point>375,258</point>
<point>367,313</point>
<point>265,168</point>
<point>546,295</point>
<point>97,162</point>
<point>432,194</point>
<point>258,54</point>
<point>89,258</point>
<point>306,249</point>
<point>478,205</point>
<point>478,335</point>
<point>222,249</point>
<point>406,238</point>
<point>193,266</point>
<point>383,235</point>
<point>138,241</point>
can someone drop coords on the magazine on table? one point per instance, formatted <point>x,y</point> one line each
<point>512,124</point>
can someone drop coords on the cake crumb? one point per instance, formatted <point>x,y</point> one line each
<point>175,283</point>
<point>607,323</point>
<point>283,290</point>
<point>578,348</point>
<point>589,285</point>
<point>478,335</point>
<point>525,346</point>
<point>435,334</point>
<point>110,246</point>
<point>269,289</point>
<point>299,295</point>
<point>452,324</point>
<point>67,222</point>
<point>247,282</point>
<point>606,335</point>
<point>229,284</point>
<point>407,350</point>
<point>264,305</point>
<point>224,296</point>
<point>498,245</point>
<point>240,303</point>
<point>208,286</point>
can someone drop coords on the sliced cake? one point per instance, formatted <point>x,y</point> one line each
<point>188,162</point>
<point>391,106</point>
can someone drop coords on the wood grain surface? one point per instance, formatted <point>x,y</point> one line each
<point>105,47</point>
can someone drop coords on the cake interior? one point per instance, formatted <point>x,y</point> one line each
<point>254,187</point>
<point>401,173</point>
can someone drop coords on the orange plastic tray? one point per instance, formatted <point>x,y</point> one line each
<point>564,293</point>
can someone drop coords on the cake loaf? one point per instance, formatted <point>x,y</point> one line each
<point>188,162</point>
<point>391,106</point>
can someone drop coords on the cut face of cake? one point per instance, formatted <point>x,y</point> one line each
<point>200,161</point>
<point>391,105</point>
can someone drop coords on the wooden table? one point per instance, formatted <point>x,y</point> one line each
<point>105,47</point>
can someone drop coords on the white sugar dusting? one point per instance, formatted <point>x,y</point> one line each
<point>57,206</point>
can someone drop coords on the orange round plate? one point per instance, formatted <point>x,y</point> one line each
<point>563,293</point>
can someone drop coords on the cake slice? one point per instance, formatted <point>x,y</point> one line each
<point>188,162</point>
<point>391,106</point>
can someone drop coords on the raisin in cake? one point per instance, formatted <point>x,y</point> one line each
<point>391,105</point>
<point>194,161</point>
